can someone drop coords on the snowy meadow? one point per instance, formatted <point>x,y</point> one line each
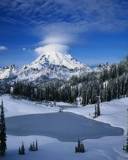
<point>28,121</point>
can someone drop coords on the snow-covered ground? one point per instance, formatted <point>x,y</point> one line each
<point>106,148</point>
<point>113,112</point>
<point>15,107</point>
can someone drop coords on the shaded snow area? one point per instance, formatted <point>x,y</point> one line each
<point>107,148</point>
<point>104,148</point>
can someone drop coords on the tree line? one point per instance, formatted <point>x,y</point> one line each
<point>110,83</point>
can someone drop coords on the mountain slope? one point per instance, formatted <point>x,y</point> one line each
<point>8,72</point>
<point>53,62</point>
<point>57,55</point>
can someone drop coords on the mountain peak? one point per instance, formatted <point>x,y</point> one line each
<point>57,54</point>
<point>54,62</point>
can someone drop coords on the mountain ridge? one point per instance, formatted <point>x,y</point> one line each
<point>53,62</point>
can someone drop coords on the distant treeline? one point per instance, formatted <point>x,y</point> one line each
<point>110,83</point>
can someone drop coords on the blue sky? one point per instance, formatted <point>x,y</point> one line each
<point>95,30</point>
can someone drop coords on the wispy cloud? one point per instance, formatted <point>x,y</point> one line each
<point>94,14</point>
<point>67,18</point>
<point>3,48</point>
<point>24,49</point>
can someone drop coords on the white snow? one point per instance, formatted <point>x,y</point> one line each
<point>7,72</point>
<point>15,107</point>
<point>58,55</point>
<point>106,148</point>
<point>54,62</point>
<point>113,112</point>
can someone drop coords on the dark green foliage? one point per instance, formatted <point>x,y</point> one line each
<point>97,108</point>
<point>3,146</point>
<point>21,150</point>
<point>33,146</point>
<point>125,147</point>
<point>110,83</point>
<point>37,146</point>
<point>80,147</point>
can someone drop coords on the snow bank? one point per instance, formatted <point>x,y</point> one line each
<point>107,148</point>
<point>15,107</point>
<point>113,112</point>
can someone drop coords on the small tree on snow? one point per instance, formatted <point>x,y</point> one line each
<point>80,147</point>
<point>36,145</point>
<point>33,146</point>
<point>21,150</point>
<point>97,107</point>
<point>125,146</point>
<point>2,131</point>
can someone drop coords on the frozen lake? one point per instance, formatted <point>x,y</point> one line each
<point>63,126</point>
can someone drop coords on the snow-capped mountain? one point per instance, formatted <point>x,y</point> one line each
<point>101,67</point>
<point>57,55</point>
<point>54,61</point>
<point>8,72</point>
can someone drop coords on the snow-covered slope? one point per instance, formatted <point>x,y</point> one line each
<point>54,62</point>
<point>106,148</point>
<point>57,55</point>
<point>101,67</point>
<point>15,107</point>
<point>8,72</point>
<point>113,112</point>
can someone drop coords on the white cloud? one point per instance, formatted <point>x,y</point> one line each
<point>3,48</point>
<point>58,38</point>
<point>24,49</point>
<point>55,39</point>
<point>103,13</point>
<point>51,49</point>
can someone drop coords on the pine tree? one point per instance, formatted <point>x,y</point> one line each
<point>98,106</point>
<point>125,146</point>
<point>80,147</point>
<point>22,149</point>
<point>30,147</point>
<point>2,131</point>
<point>19,150</point>
<point>36,145</point>
<point>33,146</point>
<point>95,114</point>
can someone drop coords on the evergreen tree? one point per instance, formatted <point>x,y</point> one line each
<point>125,146</point>
<point>30,147</point>
<point>98,106</point>
<point>19,150</point>
<point>22,149</point>
<point>2,131</point>
<point>36,145</point>
<point>33,146</point>
<point>80,147</point>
